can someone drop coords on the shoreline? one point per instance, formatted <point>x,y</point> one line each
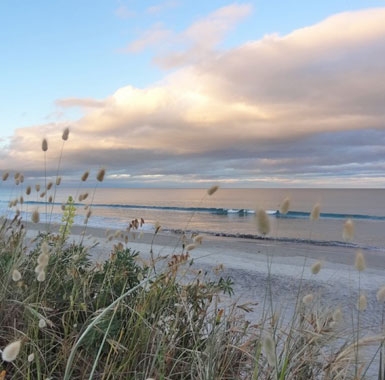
<point>244,259</point>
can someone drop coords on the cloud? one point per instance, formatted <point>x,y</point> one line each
<point>82,103</point>
<point>124,12</point>
<point>301,109</point>
<point>196,42</point>
<point>156,9</point>
<point>156,34</point>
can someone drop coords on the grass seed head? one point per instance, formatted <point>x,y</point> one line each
<point>381,294</point>
<point>37,187</point>
<point>315,212</point>
<point>5,176</point>
<point>362,302</point>
<point>11,351</point>
<point>28,190</point>
<point>16,275</point>
<point>190,247</point>
<point>212,190</point>
<point>269,349</point>
<point>101,174</point>
<point>308,299</point>
<point>360,261</point>
<point>31,358</point>
<point>65,134</point>
<point>316,267</point>
<point>285,206</point>
<point>41,276</point>
<point>85,175</point>
<point>263,222</point>
<point>58,181</point>
<point>348,230</point>
<point>42,323</point>
<point>44,145</point>
<point>35,216</point>
<point>337,315</point>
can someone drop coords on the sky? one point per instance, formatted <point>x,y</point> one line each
<point>176,93</point>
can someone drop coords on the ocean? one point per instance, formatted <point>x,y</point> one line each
<point>228,212</point>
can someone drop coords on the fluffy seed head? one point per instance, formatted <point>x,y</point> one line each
<point>16,275</point>
<point>101,174</point>
<point>263,222</point>
<point>42,323</point>
<point>362,302</point>
<point>43,260</point>
<point>348,230</point>
<point>285,206</point>
<point>5,176</point>
<point>315,212</point>
<point>35,216</point>
<point>269,348</point>
<point>381,294</point>
<point>44,247</point>
<point>41,276</point>
<point>316,267</point>
<point>212,190</point>
<point>337,315</point>
<point>360,261</point>
<point>11,351</point>
<point>308,299</point>
<point>85,175</point>
<point>31,357</point>
<point>44,145</point>
<point>190,247</point>
<point>198,239</point>
<point>66,133</point>
<point>40,268</point>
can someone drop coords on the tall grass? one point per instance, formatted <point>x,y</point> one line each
<point>65,316</point>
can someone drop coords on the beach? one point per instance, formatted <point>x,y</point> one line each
<point>260,265</point>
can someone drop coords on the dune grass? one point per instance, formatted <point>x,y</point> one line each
<point>65,316</point>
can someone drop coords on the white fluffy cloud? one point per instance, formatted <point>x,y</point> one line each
<point>292,109</point>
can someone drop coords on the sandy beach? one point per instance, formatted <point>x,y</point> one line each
<point>252,264</point>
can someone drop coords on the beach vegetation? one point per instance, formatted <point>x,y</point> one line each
<point>137,315</point>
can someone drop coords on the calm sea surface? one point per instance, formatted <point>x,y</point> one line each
<point>228,211</point>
